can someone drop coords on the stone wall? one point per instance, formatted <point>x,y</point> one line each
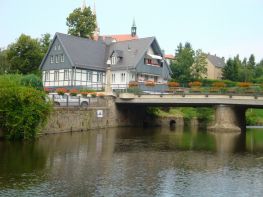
<point>83,119</point>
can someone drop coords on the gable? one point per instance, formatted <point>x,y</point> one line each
<point>56,57</point>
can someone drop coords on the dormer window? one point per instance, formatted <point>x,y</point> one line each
<point>113,60</point>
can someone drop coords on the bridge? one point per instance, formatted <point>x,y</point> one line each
<point>229,109</point>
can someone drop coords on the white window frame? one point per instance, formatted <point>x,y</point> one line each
<point>62,59</point>
<point>113,60</point>
<point>47,76</point>
<point>99,77</point>
<point>113,78</point>
<point>56,59</point>
<point>66,74</point>
<point>55,47</point>
<point>58,47</point>
<point>89,76</point>
<point>122,77</point>
<point>51,59</point>
<point>56,75</point>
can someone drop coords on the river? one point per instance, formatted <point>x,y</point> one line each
<point>135,162</point>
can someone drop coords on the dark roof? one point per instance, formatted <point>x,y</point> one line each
<point>216,61</point>
<point>83,52</point>
<point>132,51</point>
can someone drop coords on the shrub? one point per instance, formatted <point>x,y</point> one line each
<point>219,84</point>
<point>149,83</point>
<point>23,110</point>
<point>73,92</point>
<point>32,81</point>
<point>61,91</point>
<point>133,84</point>
<point>173,84</point>
<point>244,84</point>
<point>195,84</point>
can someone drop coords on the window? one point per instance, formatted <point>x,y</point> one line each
<point>51,59</point>
<point>113,60</point>
<point>89,76</point>
<point>56,58</point>
<point>66,75</point>
<point>47,76</point>
<point>58,47</point>
<point>122,77</point>
<point>62,58</point>
<point>155,78</point>
<point>55,47</point>
<point>99,77</point>
<point>56,75</point>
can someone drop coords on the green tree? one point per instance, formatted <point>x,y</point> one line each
<point>25,55</point>
<point>199,68</point>
<point>181,66</point>
<point>81,22</point>
<point>45,41</point>
<point>4,63</point>
<point>251,62</point>
<point>230,71</point>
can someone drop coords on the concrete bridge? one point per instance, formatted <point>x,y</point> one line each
<point>229,109</point>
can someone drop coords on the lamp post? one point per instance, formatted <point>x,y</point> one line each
<point>108,88</point>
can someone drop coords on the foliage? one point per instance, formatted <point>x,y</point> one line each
<point>45,41</point>
<point>73,92</point>
<point>32,81</point>
<point>204,114</point>
<point>4,63</point>
<point>25,55</point>
<point>244,84</point>
<point>231,69</point>
<point>219,84</point>
<point>149,83</point>
<point>61,91</point>
<point>254,117</point>
<point>23,109</point>
<point>181,66</point>
<point>199,68</point>
<point>195,84</point>
<point>173,84</point>
<point>133,84</point>
<point>81,22</point>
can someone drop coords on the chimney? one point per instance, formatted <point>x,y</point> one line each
<point>108,40</point>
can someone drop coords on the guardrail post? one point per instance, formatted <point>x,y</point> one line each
<point>67,100</point>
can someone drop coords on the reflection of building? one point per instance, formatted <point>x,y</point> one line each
<point>214,67</point>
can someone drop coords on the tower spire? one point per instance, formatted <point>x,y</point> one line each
<point>83,5</point>
<point>97,30</point>
<point>133,28</point>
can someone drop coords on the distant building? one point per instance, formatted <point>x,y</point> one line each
<point>169,58</point>
<point>215,65</point>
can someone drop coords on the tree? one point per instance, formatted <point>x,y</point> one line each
<point>181,66</point>
<point>251,62</point>
<point>25,55</point>
<point>4,63</point>
<point>81,22</point>
<point>45,41</point>
<point>230,71</point>
<point>199,68</point>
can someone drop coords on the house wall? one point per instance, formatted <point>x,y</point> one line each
<point>213,72</point>
<point>75,77</point>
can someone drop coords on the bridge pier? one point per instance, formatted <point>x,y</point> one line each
<point>228,119</point>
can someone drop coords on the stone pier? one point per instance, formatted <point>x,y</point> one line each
<point>228,119</point>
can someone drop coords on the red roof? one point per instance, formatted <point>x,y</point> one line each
<point>119,37</point>
<point>169,56</point>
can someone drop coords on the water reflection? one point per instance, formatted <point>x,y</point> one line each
<point>134,162</point>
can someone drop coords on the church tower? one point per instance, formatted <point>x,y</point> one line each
<point>97,30</point>
<point>133,29</point>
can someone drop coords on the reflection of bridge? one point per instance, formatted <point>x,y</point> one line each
<point>230,109</point>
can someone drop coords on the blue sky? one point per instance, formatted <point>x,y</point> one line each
<point>222,27</point>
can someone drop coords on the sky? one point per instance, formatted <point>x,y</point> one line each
<point>221,27</point>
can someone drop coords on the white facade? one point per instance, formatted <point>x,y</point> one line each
<point>74,77</point>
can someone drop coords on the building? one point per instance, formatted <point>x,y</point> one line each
<point>215,65</point>
<point>80,62</point>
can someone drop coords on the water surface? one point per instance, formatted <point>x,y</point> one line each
<point>134,162</point>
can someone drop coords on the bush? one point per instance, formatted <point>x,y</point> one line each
<point>73,92</point>
<point>23,110</point>
<point>61,91</point>
<point>173,84</point>
<point>32,81</point>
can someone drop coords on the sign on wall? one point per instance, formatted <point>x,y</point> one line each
<point>99,113</point>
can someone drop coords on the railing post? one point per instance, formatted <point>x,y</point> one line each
<point>67,100</point>
<point>79,100</point>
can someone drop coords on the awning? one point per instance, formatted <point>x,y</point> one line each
<point>155,56</point>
